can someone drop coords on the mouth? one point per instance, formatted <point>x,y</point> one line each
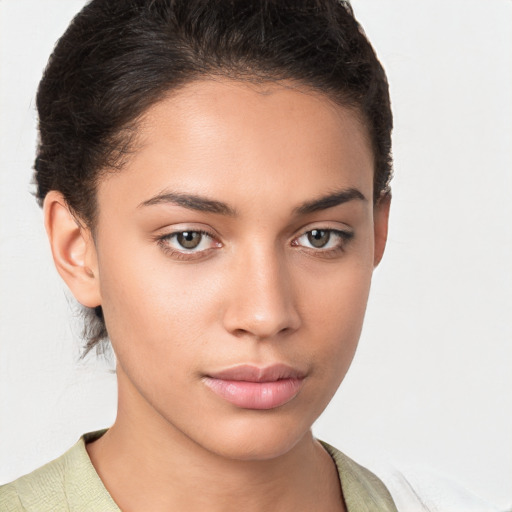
<point>252,387</point>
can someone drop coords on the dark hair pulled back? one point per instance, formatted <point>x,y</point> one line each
<point>117,58</point>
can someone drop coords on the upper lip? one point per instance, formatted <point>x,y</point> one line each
<point>252,373</point>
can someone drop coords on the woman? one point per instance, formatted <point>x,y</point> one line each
<point>215,185</point>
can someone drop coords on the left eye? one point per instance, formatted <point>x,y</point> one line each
<point>323,239</point>
<point>189,241</point>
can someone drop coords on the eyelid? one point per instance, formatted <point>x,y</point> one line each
<point>165,235</point>
<point>180,227</point>
<point>345,235</point>
<point>337,227</point>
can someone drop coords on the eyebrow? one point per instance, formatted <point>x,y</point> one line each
<point>204,204</point>
<point>192,202</point>
<point>329,201</point>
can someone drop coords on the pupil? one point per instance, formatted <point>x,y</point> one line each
<point>318,237</point>
<point>189,239</point>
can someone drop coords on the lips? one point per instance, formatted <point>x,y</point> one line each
<point>252,387</point>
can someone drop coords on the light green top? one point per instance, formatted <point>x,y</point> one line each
<point>70,483</point>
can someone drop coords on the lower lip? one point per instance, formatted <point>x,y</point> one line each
<point>255,395</point>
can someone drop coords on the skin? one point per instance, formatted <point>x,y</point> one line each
<point>256,291</point>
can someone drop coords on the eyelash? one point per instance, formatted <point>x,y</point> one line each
<point>188,255</point>
<point>343,236</point>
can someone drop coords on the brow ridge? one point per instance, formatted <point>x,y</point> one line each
<point>330,201</point>
<point>191,202</point>
<point>204,204</point>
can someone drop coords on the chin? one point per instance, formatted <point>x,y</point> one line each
<point>258,435</point>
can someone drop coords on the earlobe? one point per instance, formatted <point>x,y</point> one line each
<point>380,222</point>
<point>73,250</point>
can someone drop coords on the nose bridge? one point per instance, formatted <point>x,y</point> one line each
<point>262,303</point>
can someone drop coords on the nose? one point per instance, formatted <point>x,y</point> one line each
<point>262,303</point>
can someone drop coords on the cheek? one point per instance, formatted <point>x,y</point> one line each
<point>158,319</point>
<point>334,315</point>
<point>157,310</point>
<point>150,303</point>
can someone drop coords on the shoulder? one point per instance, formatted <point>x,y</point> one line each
<point>68,482</point>
<point>43,489</point>
<point>9,500</point>
<point>403,491</point>
<point>363,491</point>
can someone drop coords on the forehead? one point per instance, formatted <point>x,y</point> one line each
<point>231,139</point>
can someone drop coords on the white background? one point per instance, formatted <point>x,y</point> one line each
<point>431,385</point>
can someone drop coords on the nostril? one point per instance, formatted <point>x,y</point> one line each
<point>262,302</point>
<point>262,328</point>
<point>260,334</point>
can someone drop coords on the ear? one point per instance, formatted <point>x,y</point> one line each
<point>73,250</point>
<point>380,225</point>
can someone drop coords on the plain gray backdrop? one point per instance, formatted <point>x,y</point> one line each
<point>431,384</point>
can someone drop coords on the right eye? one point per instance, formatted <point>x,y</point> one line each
<point>188,242</point>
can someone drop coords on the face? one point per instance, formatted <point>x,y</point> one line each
<point>234,253</point>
